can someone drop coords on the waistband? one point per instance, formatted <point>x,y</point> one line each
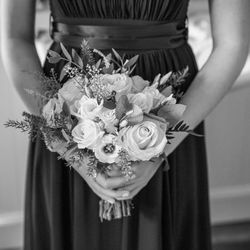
<point>120,33</point>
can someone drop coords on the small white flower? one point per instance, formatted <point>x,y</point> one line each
<point>120,83</point>
<point>52,108</point>
<point>109,119</point>
<point>71,91</point>
<point>107,150</point>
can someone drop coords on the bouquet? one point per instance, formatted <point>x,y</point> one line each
<point>96,110</point>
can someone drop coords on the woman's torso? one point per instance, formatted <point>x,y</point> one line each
<point>168,11</point>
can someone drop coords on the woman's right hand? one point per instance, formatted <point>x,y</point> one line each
<point>103,186</point>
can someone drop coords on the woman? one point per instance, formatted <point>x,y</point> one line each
<point>171,208</point>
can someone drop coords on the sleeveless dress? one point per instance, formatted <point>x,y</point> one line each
<point>171,212</point>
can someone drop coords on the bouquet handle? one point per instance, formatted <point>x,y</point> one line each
<point>109,211</point>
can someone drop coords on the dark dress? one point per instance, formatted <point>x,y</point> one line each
<point>171,212</point>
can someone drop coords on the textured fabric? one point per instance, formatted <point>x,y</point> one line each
<point>139,35</point>
<point>171,212</point>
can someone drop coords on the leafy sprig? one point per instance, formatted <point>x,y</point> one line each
<point>181,126</point>
<point>125,165</point>
<point>79,62</point>
<point>87,53</point>
<point>176,81</point>
<point>94,166</point>
<point>30,124</point>
<point>71,59</point>
<point>49,84</point>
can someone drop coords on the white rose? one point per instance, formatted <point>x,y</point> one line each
<point>136,116</point>
<point>109,119</point>
<point>120,83</point>
<point>86,108</point>
<point>86,134</point>
<point>157,97</point>
<point>52,108</point>
<point>71,91</point>
<point>144,100</point>
<point>138,84</point>
<point>107,150</point>
<point>143,141</point>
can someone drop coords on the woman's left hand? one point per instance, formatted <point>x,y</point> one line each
<point>144,171</point>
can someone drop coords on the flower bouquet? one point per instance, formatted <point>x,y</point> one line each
<point>96,110</point>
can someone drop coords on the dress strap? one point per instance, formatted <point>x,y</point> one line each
<point>120,33</point>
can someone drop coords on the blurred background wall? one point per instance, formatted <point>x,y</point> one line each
<point>228,141</point>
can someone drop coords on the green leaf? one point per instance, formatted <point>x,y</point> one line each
<point>98,63</point>
<point>53,60</point>
<point>63,71</point>
<point>108,57</point>
<point>76,58</point>
<point>53,53</point>
<point>66,110</point>
<point>65,52</point>
<point>109,70</point>
<point>109,104</point>
<point>133,68</point>
<point>86,53</point>
<point>191,132</point>
<point>185,71</point>
<point>178,125</point>
<point>118,57</point>
<point>181,127</point>
<point>53,57</point>
<point>131,62</point>
<point>165,78</point>
<point>122,107</point>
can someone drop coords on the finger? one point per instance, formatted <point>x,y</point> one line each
<point>95,188</point>
<point>133,189</point>
<point>102,192</point>
<point>115,173</point>
<point>109,192</point>
<point>101,195</point>
<point>130,187</point>
<point>112,182</point>
<point>132,194</point>
<point>116,182</point>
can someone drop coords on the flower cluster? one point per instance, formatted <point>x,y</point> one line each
<point>106,129</point>
<point>102,112</point>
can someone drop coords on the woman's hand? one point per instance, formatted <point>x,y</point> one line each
<point>102,185</point>
<point>144,171</point>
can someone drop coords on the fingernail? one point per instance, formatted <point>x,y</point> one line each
<point>129,178</point>
<point>125,194</point>
<point>132,176</point>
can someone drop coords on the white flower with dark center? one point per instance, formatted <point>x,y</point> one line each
<point>107,150</point>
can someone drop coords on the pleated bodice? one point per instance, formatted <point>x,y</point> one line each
<point>154,10</point>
